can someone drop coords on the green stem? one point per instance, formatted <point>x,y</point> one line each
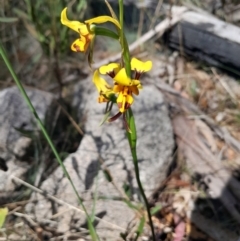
<point>120,3</point>
<point>32,109</point>
<point>123,41</point>
<point>132,138</point>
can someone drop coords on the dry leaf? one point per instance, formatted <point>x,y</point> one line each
<point>207,133</point>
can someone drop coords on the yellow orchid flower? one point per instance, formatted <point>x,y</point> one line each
<point>85,30</point>
<point>124,91</point>
<point>122,78</point>
<point>110,69</point>
<point>124,86</point>
<point>140,67</point>
<point>104,89</point>
<point>125,96</point>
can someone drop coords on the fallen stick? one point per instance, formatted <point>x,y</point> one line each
<point>207,38</point>
<point>61,202</point>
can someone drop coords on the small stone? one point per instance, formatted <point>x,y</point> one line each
<point>220,116</point>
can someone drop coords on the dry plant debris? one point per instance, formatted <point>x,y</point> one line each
<point>203,105</point>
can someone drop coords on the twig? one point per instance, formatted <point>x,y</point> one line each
<point>140,24</point>
<point>156,13</point>
<point>27,217</point>
<point>224,85</point>
<point>119,190</point>
<point>71,119</point>
<point>61,202</point>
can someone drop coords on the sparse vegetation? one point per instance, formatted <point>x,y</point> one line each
<point>39,50</point>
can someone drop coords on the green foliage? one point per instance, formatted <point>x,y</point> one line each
<point>3,215</point>
<point>8,20</point>
<point>127,190</point>
<point>193,89</point>
<point>42,21</point>
<point>107,175</point>
<point>140,228</point>
<point>155,209</point>
<point>132,139</point>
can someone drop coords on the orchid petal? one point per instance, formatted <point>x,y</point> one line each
<point>80,44</point>
<point>122,78</point>
<point>140,66</point>
<point>134,89</point>
<point>105,69</point>
<point>100,83</point>
<point>103,19</point>
<point>121,102</point>
<point>117,88</point>
<point>129,99</point>
<point>74,25</point>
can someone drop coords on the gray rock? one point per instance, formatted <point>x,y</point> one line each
<point>109,143</point>
<point>154,131</point>
<point>14,116</point>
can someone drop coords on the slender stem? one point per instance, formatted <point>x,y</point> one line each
<point>143,194</point>
<point>120,4</point>
<point>132,138</point>
<point>32,109</point>
<point>123,41</point>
